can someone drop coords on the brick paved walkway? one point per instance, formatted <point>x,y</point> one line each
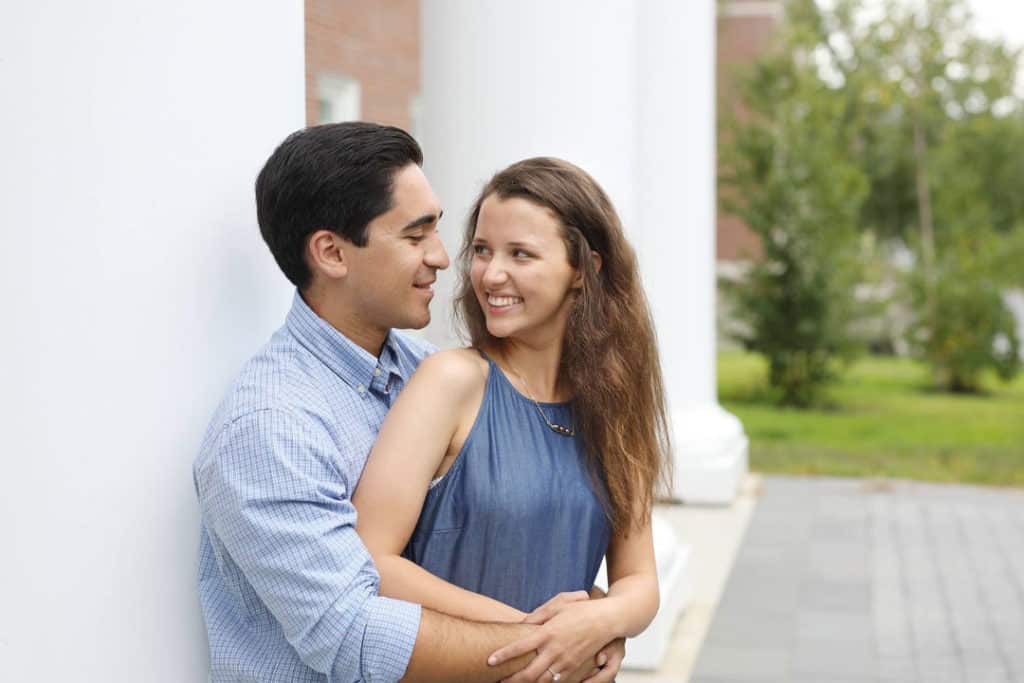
<point>850,580</point>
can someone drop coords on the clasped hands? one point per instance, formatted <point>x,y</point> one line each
<point>574,640</point>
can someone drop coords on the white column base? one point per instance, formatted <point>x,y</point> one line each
<point>710,454</point>
<point>647,650</point>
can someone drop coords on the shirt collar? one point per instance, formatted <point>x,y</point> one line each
<point>351,362</point>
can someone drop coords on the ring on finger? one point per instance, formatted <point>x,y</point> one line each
<point>554,675</point>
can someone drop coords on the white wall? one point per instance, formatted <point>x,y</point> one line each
<point>134,284</point>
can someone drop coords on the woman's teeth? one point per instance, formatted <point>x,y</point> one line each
<point>503,300</point>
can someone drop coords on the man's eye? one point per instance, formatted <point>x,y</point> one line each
<point>415,238</point>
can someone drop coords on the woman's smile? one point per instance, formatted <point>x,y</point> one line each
<point>502,304</point>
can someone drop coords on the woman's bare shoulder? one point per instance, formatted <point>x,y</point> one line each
<point>453,371</point>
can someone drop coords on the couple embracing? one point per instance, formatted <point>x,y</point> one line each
<point>374,509</point>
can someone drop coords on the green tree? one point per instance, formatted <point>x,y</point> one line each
<point>784,174</point>
<point>925,110</point>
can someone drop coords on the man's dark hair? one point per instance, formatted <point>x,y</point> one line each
<point>336,177</point>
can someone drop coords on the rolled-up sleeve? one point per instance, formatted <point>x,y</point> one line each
<point>275,498</point>
<point>386,642</point>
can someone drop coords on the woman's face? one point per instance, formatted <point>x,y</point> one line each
<point>520,270</point>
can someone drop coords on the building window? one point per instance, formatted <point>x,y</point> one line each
<point>339,98</point>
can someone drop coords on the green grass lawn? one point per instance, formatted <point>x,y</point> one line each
<point>883,420</point>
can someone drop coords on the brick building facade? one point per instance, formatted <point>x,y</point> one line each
<point>745,29</point>
<point>363,61</point>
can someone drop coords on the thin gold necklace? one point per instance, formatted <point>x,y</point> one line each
<point>553,426</point>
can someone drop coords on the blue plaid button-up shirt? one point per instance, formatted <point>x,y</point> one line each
<point>289,592</point>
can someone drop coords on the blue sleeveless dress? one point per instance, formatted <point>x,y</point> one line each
<point>516,517</point>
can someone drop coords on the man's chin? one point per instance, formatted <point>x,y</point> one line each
<point>416,322</point>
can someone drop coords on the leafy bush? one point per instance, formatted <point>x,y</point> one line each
<point>964,326</point>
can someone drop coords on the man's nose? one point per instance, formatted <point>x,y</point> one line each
<point>436,256</point>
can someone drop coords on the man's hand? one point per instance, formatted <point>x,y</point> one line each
<point>609,659</point>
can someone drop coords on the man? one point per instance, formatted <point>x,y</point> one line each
<point>288,591</point>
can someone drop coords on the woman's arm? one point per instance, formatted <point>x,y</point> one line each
<point>633,595</point>
<point>413,441</point>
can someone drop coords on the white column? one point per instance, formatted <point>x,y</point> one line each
<point>503,81</point>
<point>608,87</point>
<point>675,235</point>
<point>134,284</point>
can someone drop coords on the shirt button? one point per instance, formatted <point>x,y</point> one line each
<point>361,389</point>
<point>376,372</point>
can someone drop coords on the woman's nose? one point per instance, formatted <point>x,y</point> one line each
<point>495,274</point>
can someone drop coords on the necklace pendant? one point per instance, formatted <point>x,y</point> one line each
<point>557,428</point>
<point>553,426</point>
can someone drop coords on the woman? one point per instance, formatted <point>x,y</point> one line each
<point>505,472</point>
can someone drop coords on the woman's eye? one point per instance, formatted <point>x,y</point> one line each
<point>519,253</point>
<point>479,249</point>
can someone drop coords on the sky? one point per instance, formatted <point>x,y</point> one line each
<point>1002,18</point>
<point>993,19</point>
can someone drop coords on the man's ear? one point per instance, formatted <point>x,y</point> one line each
<point>577,282</point>
<point>325,251</point>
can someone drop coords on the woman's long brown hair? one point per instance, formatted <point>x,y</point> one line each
<point>609,356</point>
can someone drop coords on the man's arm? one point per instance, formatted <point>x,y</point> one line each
<point>274,498</point>
<point>277,503</point>
<point>455,651</point>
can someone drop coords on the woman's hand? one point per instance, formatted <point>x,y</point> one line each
<point>574,630</point>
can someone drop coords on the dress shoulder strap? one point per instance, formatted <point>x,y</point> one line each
<point>483,355</point>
